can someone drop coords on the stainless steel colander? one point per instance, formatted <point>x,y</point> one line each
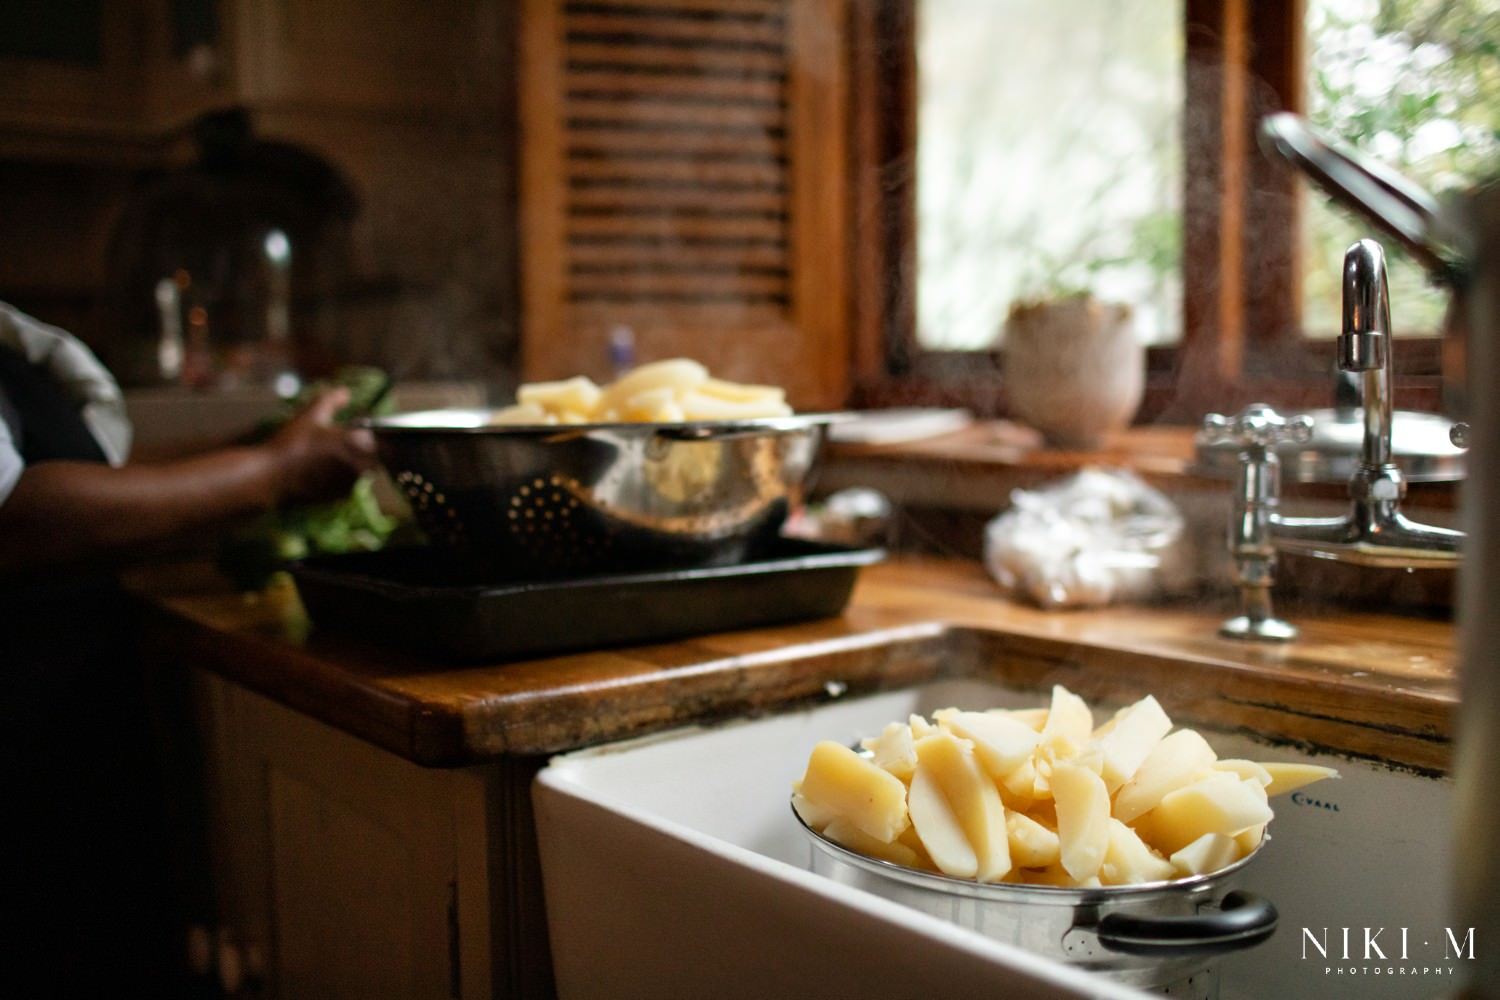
<point>1167,938</point>
<point>554,500</point>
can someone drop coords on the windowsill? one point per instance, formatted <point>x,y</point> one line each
<point>975,468</point>
<point>945,490</point>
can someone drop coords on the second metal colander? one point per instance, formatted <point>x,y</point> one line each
<point>556,500</point>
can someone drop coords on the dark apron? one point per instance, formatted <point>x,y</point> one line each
<point>83,866</point>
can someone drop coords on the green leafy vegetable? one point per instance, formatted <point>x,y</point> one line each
<point>252,553</point>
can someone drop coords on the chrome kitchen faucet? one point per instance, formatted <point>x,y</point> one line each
<point>1374,532</point>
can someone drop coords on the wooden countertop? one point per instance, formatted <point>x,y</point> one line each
<point>1375,686</point>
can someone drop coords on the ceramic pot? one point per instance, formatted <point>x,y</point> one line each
<point>1074,369</point>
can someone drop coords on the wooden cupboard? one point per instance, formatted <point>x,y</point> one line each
<point>340,870</point>
<point>683,178</point>
<point>680,172</point>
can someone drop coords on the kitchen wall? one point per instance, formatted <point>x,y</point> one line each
<point>410,105</point>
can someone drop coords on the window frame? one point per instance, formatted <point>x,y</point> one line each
<point>1241,339</point>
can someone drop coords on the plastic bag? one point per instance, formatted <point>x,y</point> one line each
<point>1098,537</point>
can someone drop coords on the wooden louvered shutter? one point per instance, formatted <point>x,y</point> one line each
<point>683,175</point>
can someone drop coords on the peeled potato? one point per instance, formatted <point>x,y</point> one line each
<point>1043,796</point>
<point>1059,876</point>
<point>920,727</point>
<point>1001,743</point>
<point>1082,818</point>
<point>1220,803</point>
<point>972,798</point>
<point>839,782</point>
<point>700,405</point>
<point>1036,718</point>
<point>1245,769</point>
<point>667,391</point>
<point>655,405</point>
<point>841,831</point>
<point>1019,787</point>
<point>672,375</point>
<point>1032,845</point>
<point>522,413</point>
<point>1068,717</point>
<point>1135,733</point>
<point>1288,777</point>
<point>1249,839</point>
<point>1208,853</point>
<point>577,395</point>
<point>894,750</point>
<point>1128,860</point>
<point>911,840</point>
<point>1171,764</point>
<point>937,826</point>
<point>740,392</point>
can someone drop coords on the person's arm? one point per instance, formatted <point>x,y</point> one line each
<point>66,512</point>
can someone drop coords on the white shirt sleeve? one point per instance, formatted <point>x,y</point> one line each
<point>80,374</point>
<point>11,462</point>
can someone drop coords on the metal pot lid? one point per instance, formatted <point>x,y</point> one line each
<point>1420,445</point>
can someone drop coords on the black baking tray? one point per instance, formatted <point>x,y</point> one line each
<point>417,599</point>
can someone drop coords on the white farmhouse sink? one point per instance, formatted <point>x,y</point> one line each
<point>674,867</point>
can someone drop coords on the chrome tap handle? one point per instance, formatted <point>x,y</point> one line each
<point>1256,430</point>
<point>1257,426</point>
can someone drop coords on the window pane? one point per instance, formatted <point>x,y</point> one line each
<point>1416,85</point>
<point>1048,160</point>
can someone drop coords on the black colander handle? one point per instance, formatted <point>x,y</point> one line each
<point>1242,919</point>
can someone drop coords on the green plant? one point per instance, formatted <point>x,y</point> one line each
<point>1414,84</point>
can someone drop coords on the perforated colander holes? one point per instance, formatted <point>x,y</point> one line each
<point>1080,944</point>
<point>430,507</point>
<point>541,518</point>
<point>1203,985</point>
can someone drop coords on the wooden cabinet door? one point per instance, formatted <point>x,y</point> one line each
<point>340,870</point>
<point>683,175</point>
